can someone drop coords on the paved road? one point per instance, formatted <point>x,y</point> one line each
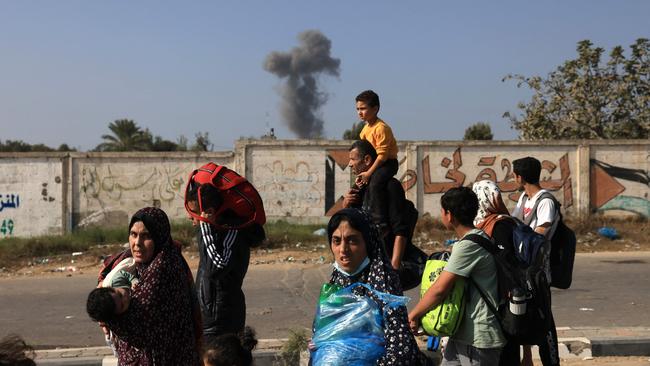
<point>609,289</point>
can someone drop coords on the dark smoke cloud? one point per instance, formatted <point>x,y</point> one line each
<point>300,94</point>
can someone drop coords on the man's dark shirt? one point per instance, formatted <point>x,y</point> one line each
<point>402,214</point>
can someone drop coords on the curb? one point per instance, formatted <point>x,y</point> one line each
<point>628,342</point>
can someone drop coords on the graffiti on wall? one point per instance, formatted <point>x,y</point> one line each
<point>499,172</point>
<point>8,201</point>
<point>456,174</point>
<point>606,190</point>
<point>154,185</point>
<point>290,190</point>
<point>337,160</point>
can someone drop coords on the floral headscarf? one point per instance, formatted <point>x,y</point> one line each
<point>401,348</point>
<point>490,205</point>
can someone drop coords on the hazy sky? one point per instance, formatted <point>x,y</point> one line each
<point>69,68</point>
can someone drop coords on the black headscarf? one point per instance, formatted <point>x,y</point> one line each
<point>159,328</point>
<point>401,348</point>
<point>379,274</point>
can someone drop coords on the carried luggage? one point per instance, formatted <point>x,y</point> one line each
<point>238,195</point>
<point>523,309</point>
<point>563,247</point>
<point>444,319</point>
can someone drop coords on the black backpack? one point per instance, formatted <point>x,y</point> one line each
<point>563,247</point>
<point>521,285</point>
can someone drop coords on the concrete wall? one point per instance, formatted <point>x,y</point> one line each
<point>31,194</point>
<point>304,180</point>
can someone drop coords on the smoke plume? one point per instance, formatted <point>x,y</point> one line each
<point>301,68</point>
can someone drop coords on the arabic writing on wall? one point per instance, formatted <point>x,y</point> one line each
<point>456,177</point>
<point>9,201</point>
<point>158,184</point>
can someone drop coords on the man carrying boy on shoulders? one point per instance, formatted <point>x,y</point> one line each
<point>399,216</point>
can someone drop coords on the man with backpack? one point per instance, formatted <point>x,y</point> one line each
<point>538,208</point>
<point>224,253</point>
<point>479,338</point>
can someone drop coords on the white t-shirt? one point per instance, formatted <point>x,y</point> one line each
<point>546,212</point>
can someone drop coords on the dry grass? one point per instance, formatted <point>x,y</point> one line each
<point>430,234</point>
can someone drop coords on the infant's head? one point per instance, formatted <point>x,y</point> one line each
<point>104,303</point>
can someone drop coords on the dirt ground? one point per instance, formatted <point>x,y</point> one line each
<point>603,361</point>
<point>429,236</point>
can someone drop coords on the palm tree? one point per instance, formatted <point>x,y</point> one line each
<point>127,136</point>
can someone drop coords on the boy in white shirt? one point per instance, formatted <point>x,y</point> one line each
<point>543,217</point>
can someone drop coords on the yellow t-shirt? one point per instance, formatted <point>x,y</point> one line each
<point>381,138</point>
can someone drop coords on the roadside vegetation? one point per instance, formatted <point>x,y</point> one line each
<point>286,239</point>
<point>100,241</point>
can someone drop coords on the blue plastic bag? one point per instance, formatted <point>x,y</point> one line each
<point>608,232</point>
<point>349,329</point>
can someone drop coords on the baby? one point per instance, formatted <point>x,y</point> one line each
<point>113,296</point>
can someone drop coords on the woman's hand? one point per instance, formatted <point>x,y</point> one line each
<point>414,324</point>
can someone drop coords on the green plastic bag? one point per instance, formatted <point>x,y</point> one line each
<point>444,319</point>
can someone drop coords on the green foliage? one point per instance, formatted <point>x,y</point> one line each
<point>127,136</point>
<point>586,99</point>
<point>14,250</point>
<point>202,142</point>
<point>181,143</point>
<point>65,147</point>
<point>478,131</point>
<point>290,353</point>
<point>21,146</point>
<point>280,232</point>
<point>353,133</point>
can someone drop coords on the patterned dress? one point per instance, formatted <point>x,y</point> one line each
<point>159,327</point>
<point>401,347</point>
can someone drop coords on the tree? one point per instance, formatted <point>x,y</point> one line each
<point>202,142</point>
<point>478,131</point>
<point>585,99</point>
<point>22,146</point>
<point>353,133</point>
<point>65,147</point>
<point>127,136</point>
<point>157,143</point>
<point>181,143</point>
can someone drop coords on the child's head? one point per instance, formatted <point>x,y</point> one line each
<point>367,105</point>
<point>14,351</point>
<point>462,204</point>
<point>105,303</point>
<point>231,349</point>
<point>211,200</point>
